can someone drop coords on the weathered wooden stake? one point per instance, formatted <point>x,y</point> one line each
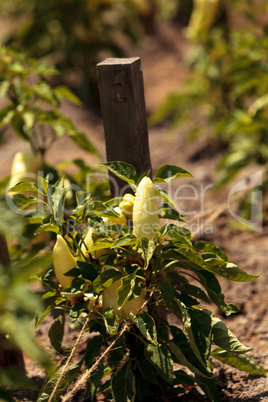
<point>124,114</point>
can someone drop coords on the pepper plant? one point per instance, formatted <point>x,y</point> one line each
<point>226,89</point>
<point>116,286</point>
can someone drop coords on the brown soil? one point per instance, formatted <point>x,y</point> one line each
<point>161,57</point>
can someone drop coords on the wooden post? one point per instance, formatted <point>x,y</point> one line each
<point>124,115</point>
<point>9,356</point>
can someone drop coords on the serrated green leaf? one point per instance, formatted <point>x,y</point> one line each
<point>167,173</point>
<point>123,170</point>
<point>239,361</point>
<point>225,339</point>
<point>161,359</point>
<point>145,323</point>
<point>123,385</point>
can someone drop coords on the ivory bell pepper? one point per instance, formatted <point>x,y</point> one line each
<point>63,261</point>
<point>145,210</point>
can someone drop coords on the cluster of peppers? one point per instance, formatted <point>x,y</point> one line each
<point>143,209</point>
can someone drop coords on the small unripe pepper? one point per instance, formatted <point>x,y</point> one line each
<point>63,261</point>
<point>126,205</point>
<point>145,210</point>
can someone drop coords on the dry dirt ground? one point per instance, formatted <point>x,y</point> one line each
<point>208,214</point>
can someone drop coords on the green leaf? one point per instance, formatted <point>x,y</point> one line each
<point>167,173</point>
<point>198,327</point>
<point>48,227</point>
<point>82,141</point>
<point>111,322</point>
<point>145,323</point>
<point>195,291</point>
<point>239,361</point>
<point>42,184</point>
<point>4,86</point>
<point>44,90</point>
<point>88,270</point>
<point>123,170</point>
<point>102,244</point>
<point>47,389</point>
<point>208,247</point>
<point>94,381</point>
<point>148,248</point>
<point>166,212</point>
<point>126,289</point>
<point>161,359</point>
<point>24,186</point>
<point>147,371</point>
<point>229,270</point>
<point>184,355</point>
<point>127,240</point>
<point>105,279</point>
<point>123,385</point>
<point>93,349</point>
<point>6,114</point>
<point>164,196</point>
<point>64,92</point>
<point>167,293</point>
<point>22,202</point>
<point>55,334</point>
<point>225,339</point>
<point>208,385</point>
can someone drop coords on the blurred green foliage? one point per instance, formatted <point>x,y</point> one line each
<point>227,88</point>
<point>18,304</point>
<point>77,34</point>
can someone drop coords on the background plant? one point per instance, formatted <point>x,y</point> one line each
<point>31,109</point>
<point>139,350</point>
<point>226,89</point>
